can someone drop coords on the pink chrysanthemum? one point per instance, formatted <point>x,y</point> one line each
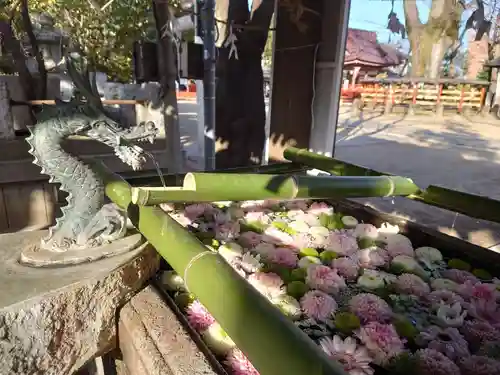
<point>257,216</point>
<point>342,243</point>
<point>352,357</point>
<point>479,365</point>
<point>318,208</point>
<point>296,205</point>
<point>408,283</point>
<point>194,211</point>
<point>198,316</point>
<point>283,256</point>
<point>447,341</point>
<point>239,364</point>
<point>476,332</point>
<point>484,309</point>
<point>372,258</point>
<point>397,244</point>
<point>443,296</point>
<point>268,284</point>
<point>227,231</point>
<point>302,240</point>
<point>459,276</point>
<point>318,305</point>
<point>381,340</point>
<point>249,239</point>
<point>432,362</point>
<point>477,290</point>
<point>324,278</point>
<point>370,308</point>
<point>346,267</point>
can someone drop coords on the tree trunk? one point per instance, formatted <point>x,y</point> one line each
<point>240,106</point>
<point>429,42</point>
<point>168,73</point>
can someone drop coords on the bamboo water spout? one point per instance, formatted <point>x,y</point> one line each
<point>271,341</point>
<point>210,187</point>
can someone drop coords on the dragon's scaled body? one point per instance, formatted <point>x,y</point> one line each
<point>86,220</point>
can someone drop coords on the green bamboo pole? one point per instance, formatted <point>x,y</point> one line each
<point>472,205</point>
<point>210,187</point>
<point>271,341</point>
<point>354,187</point>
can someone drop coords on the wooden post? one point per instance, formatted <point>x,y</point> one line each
<point>439,106</point>
<point>461,101</point>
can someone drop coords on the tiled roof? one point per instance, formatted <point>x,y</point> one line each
<point>362,48</point>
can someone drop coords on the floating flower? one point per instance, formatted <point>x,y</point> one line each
<point>440,284</point>
<point>309,219</point>
<point>319,231</point>
<point>263,249</point>
<point>346,267</point>
<point>342,243</point>
<point>302,240</point>
<point>408,283</point>
<point>318,305</point>
<point>451,315</point>
<point>227,231</point>
<point>249,239</point>
<point>319,208</point>
<point>397,244</point>
<point>250,263</point>
<point>198,316</point>
<point>405,263</point>
<point>221,217</point>
<point>349,221</point>
<point>476,332</point>
<point>324,278</point>
<point>236,212</point>
<point>432,362</point>
<point>387,229</point>
<point>257,216</point>
<point>428,255</point>
<point>479,365</point>
<point>172,281</point>
<point>276,236</point>
<point>485,309</point>
<point>239,364</point>
<point>194,211</point>
<point>283,256</point>
<point>370,308</point>
<point>371,281</point>
<point>366,231</point>
<point>438,297</point>
<point>459,276</point>
<point>268,284</point>
<point>307,261</point>
<point>477,290</point>
<point>381,340</point>
<point>299,226</point>
<point>372,257</point>
<point>352,357</point>
<point>447,341</point>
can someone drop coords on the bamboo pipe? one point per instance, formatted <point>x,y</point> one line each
<point>272,342</point>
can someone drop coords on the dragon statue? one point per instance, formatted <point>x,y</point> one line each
<point>86,221</point>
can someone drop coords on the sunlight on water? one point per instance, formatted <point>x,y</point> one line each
<point>157,166</point>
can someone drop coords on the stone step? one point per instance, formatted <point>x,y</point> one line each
<point>154,342</point>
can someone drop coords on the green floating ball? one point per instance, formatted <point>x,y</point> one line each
<point>459,264</point>
<point>296,289</point>
<point>364,243</point>
<point>212,242</point>
<point>482,274</point>
<point>298,274</point>
<point>308,251</point>
<point>327,256</point>
<point>405,329</point>
<point>346,322</point>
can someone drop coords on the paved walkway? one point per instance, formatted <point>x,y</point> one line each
<point>455,152</point>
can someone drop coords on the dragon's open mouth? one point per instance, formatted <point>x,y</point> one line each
<point>123,140</point>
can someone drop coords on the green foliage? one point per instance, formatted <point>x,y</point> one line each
<point>346,322</point>
<point>104,30</point>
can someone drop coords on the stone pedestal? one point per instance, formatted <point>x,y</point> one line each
<point>53,321</point>
<point>154,342</point>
